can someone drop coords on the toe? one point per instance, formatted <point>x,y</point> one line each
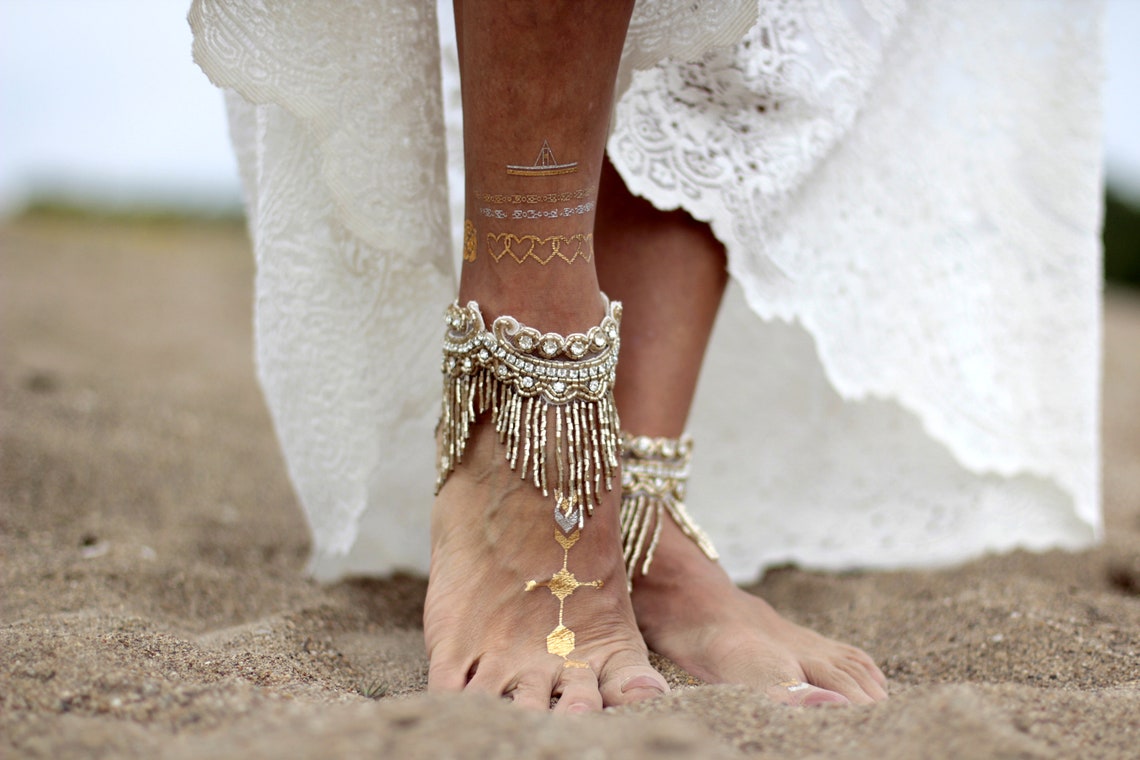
<point>532,694</point>
<point>877,675</point>
<point>864,662</point>
<point>447,674</point>
<point>875,691</point>
<point>489,679</point>
<point>629,679</point>
<point>856,667</point>
<point>864,677</point>
<point>531,689</point>
<point>578,690</point>
<point>817,697</point>
<point>801,694</point>
<point>871,686</point>
<point>834,678</point>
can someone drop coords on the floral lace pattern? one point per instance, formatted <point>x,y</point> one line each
<point>345,181</point>
<point>918,188</point>
<point>915,186</point>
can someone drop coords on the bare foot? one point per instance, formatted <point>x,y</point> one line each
<point>485,632</point>
<point>690,611</point>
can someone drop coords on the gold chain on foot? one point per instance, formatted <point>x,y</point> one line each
<point>532,382</point>
<point>654,476</point>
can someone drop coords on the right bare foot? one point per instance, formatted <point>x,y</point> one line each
<point>492,532</point>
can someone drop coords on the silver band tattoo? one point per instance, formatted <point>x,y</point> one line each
<point>519,199</point>
<point>531,213</point>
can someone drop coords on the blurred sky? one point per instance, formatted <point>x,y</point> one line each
<point>100,100</point>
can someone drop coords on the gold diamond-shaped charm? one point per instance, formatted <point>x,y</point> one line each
<point>562,584</point>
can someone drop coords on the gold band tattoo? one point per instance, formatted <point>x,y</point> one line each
<point>470,241</point>
<point>544,166</point>
<point>568,248</point>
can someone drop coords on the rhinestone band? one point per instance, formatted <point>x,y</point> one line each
<point>531,382</point>
<point>655,472</point>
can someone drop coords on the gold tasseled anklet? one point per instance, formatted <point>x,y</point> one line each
<point>654,476</point>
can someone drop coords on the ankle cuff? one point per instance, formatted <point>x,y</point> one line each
<point>533,384</point>
<point>654,478</point>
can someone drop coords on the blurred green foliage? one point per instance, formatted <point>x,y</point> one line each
<point>1121,234</point>
<point>1121,237</point>
<point>48,208</point>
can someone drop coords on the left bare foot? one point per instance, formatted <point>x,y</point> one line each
<point>689,610</point>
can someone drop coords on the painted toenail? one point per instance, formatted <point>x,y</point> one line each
<point>824,699</point>
<point>794,685</point>
<point>642,682</point>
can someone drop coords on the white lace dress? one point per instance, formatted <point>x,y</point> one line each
<point>906,371</point>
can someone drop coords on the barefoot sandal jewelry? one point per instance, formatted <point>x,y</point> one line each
<point>532,382</point>
<point>551,403</point>
<point>654,476</point>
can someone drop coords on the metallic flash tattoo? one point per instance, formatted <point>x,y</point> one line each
<point>568,248</point>
<point>515,199</point>
<point>544,166</point>
<point>561,641</point>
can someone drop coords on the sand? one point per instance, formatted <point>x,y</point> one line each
<point>152,600</point>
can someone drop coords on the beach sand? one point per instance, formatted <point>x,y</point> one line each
<point>153,602</point>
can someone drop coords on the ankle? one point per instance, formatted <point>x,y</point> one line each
<point>565,305</point>
<point>655,478</point>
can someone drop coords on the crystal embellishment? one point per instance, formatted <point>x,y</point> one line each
<point>654,475</point>
<point>550,397</point>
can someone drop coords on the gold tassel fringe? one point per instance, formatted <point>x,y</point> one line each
<point>655,472</point>
<point>550,398</point>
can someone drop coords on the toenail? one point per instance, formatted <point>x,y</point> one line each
<point>578,707</point>
<point>794,685</point>
<point>642,682</point>
<point>824,699</point>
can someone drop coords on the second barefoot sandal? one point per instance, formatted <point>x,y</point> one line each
<point>654,478</point>
<point>551,403</point>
